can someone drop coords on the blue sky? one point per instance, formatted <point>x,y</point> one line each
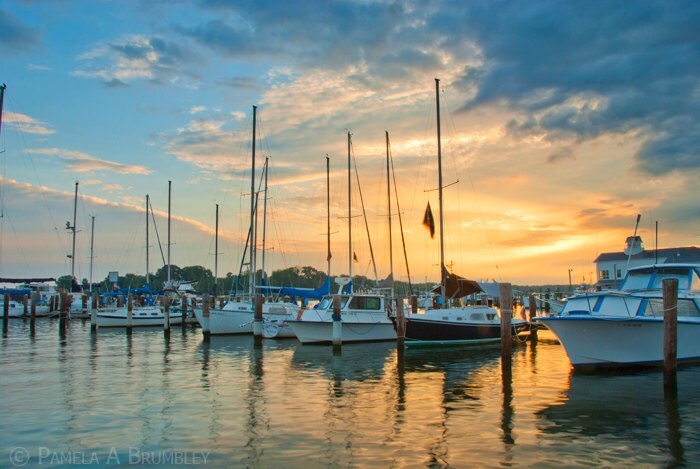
<point>561,121</point>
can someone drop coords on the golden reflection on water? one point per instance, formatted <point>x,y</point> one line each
<point>282,404</point>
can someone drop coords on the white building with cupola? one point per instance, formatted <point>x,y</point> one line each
<point>611,267</point>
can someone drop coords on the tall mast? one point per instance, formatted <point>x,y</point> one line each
<point>72,228</point>
<point>147,266</point>
<point>92,246</point>
<point>328,215</point>
<point>2,98</point>
<point>350,253</point>
<point>216,249</point>
<point>251,274</point>
<point>169,186</point>
<point>439,152</point>
<point>388,201</point>
<point>264,227</point>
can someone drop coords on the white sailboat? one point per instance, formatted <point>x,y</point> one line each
<point>237,314</point>
<point>364,316</point>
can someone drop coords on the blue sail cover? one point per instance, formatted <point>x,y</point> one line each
<point>316,293</point>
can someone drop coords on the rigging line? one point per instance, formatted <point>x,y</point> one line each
<point>364,215</point>
<point>398,210</point>
<point>19,127</point>
<point>487,234</point>
<point>155,228</point>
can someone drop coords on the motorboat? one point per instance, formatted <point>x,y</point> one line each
<point>625,326</point>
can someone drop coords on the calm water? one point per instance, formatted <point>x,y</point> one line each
<point>112,400</point>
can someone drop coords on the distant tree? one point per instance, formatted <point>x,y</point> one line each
<point>64,281</point>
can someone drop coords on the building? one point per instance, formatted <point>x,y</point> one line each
<point>612,266</point>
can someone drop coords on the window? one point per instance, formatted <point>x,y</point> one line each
<point>603,275</point>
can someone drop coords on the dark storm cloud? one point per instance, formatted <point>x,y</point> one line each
<point>15,36</point>
<point>635,64</point>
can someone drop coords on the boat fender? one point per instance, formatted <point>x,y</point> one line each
<point>299,313</point>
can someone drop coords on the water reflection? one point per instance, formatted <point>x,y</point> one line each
<point>615,409</point>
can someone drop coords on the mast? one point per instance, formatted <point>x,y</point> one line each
<point>2,98</point>
<point>216,248</point>
<point>72,229</point>
<point>264,227</point>
<point>350,253</point>
<point>328,215</point>
<point>439,154</point>
<point>92,245</point>
<point>147,267</point>
<point>169,186</point>
<point>388,202</point>
<point>251,264</point>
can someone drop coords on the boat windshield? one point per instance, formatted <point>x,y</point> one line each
<point>653,277</point>
<point>327,302</point>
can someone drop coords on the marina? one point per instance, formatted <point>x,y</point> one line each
<point>106,398</point>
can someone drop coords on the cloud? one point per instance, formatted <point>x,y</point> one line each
<point>27,124</point>
<point>16,37</point>
<point>584,69</point>
<point>83,163</point>
<point>138,57</point>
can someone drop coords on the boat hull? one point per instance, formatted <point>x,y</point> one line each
<point>599,342</point>
<point>320,332</point>
<point>465,325</point>
<point>147,317</point>
<point>238,318</point>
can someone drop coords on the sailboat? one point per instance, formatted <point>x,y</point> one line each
<point>364,316</point>
<point>146,313</point>
<point>237,314</point>
<point>454,323</point>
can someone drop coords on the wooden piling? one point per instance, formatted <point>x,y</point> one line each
<point>670,302</point>
<point>206,332</point>
<point>505,292</point>
<point>5,313</point>
<point>184,312</point>
<point>25,305</point>
<point>222,300</point>
<point>533,314</point>
<point>93,311</point>
<point>400,322</point>
<point>414,304</point>
<point>166,315</point>
<point>32,306</point>
<point>258,319</point>
<point>63,312</point>
<point>129,313</point>
<point>337,323</point>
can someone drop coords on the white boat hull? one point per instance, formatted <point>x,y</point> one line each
<point>141,317</point>
<point>238,318</point>
<point>371,329</point>
<point>616,341</point>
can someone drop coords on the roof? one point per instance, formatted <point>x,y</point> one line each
<point>667,255</point>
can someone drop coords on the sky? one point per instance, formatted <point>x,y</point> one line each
<point>560,123</point>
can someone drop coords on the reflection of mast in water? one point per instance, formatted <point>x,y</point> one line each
<point>257,419</point>
<point>214,424</point>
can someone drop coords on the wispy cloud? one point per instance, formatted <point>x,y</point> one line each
<point>27,124</point>
<point>83,163</point>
